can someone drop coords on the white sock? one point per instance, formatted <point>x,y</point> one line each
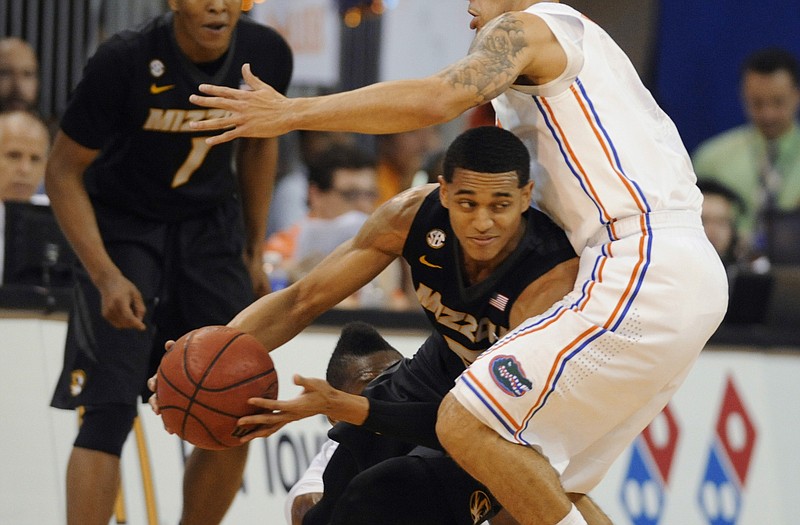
<point>573,517</point>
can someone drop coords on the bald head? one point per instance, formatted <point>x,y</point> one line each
<point>19,75</point>
<point>24,145</point>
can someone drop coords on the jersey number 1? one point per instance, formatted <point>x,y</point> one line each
<point>193,161</point>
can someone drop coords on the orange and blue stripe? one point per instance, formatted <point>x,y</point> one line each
<point>578,344</point>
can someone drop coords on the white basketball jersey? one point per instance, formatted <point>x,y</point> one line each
<point>601,147</point>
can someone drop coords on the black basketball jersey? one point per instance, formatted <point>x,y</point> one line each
<point>472,318</point>
<point>133,105</point>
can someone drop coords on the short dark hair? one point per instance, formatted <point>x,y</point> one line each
<point>713,187</point>
<point>358,339</point>
<point>771,60</point>
<point>488,149</point>
<point>336,157</point>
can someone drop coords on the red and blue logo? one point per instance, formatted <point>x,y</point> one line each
<point>645,487</point>
<point>729,458</point>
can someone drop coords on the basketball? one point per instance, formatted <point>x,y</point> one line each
<point>204,382</point>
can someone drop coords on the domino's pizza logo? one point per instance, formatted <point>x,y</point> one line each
<point>644,491</point>
<point>720,495</point>
<point>509,376</point>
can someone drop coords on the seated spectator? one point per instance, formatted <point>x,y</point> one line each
<point>24,146</point>
<point>750,281</point>
<point>19,75</point>
<point>760,160</point>
<point>290,197</point>
<point>361,354</point>
<point>342,193</point>
<point>721,210</point>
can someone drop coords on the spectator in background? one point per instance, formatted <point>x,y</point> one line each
<point>401,156</point>
<point>290,198</point>
<point>760,160</point>
<point>342,193</point>
<point>721,210</point>
<point>24,146</point>
<point>19,75</point>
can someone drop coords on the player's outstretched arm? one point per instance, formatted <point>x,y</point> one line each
<point>318,397</point>
<point>277,317</point>
<point>511,46</point>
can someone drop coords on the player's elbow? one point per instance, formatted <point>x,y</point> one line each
<point>449,103</point>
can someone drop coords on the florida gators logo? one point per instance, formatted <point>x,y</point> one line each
<point>509,376</point>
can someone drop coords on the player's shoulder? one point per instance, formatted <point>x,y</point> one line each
<point>400,211</point>
<point>252,32</point>
<point>125,44</point>
<point>410,200</point>
<point>267,52</point>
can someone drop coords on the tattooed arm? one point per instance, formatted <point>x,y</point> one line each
<point>514,47</point>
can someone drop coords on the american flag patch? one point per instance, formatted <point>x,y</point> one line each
<point>499,301</point>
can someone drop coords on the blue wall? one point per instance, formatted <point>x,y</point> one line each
<point>700,47</point>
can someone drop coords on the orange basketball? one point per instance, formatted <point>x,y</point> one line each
<point>205,380</point>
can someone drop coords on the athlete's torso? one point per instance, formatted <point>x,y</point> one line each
<point>472,318</point>
<point>601,147</point>
<point>133,105</point>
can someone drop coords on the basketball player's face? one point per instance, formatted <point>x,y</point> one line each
<point>203,28</point>
<point>485,212</point>
<point>363,369</point>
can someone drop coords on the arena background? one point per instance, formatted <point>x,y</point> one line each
<point>723,453</point>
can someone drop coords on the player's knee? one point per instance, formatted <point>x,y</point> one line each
<point>449,422</point>
<point>231,459</point>
<point>381,494</point>
<point>105,428</point>
<point>365,498</point>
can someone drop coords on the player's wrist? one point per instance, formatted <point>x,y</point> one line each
<point>349,408</point>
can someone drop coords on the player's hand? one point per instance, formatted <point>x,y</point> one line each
<point>259,112</point>
<point>122,304</point>
<point>261,284</point>
<point>318,397</point>
<point>152,384</point>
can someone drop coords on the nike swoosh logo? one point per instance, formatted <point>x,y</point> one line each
<point>424,261</point>
<point>155,90</point>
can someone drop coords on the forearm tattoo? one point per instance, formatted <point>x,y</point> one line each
<point>492,63</point>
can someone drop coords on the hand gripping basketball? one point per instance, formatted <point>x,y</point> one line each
<point>204,382</point>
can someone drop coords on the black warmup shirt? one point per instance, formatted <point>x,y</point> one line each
<point>133,105</point>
